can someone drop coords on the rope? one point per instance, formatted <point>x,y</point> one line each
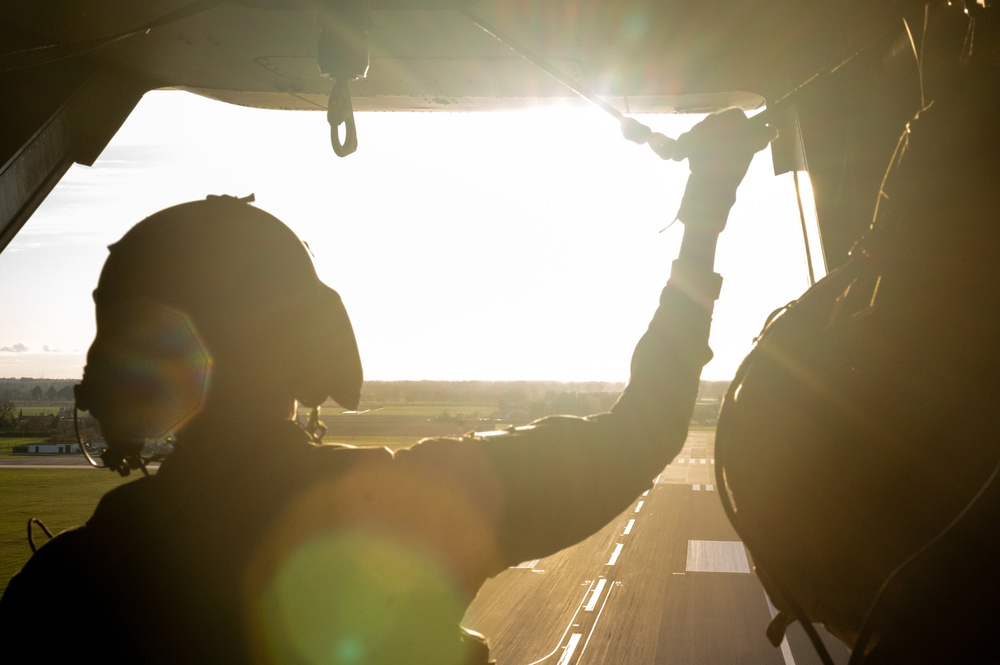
<point>633,130</point>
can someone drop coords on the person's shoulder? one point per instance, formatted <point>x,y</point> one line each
<point>58,568</point>
<point>123,499</point>
<point>332,459</point>
<point>51,576</point>
<point>64,547</point>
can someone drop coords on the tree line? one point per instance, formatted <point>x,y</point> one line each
<point>528,399</point>
<point>524,399</point>
<point>37,390</point>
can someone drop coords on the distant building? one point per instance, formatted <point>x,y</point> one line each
<point>48,449</point>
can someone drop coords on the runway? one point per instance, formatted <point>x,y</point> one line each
<point>45,462</point>
<point>666,582</point>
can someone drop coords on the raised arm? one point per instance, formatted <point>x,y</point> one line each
<point>656,406</point>
<point>558,480</point>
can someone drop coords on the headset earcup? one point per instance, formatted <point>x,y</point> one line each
<point>333,365</point>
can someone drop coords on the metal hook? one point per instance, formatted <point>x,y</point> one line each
<point>340,111</point>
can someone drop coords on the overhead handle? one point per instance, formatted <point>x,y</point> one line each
<point>340,111</point>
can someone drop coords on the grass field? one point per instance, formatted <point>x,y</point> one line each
<point>426,410</point>
<point>391,442</point>
<point>39,410</point>
<point>60,498</point>
<point>64,498</point>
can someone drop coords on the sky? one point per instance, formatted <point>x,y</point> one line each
<point>518,245</point>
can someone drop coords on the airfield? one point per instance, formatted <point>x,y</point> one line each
<point>667,581</point>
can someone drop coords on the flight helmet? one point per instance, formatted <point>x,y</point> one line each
<point>207,287</point>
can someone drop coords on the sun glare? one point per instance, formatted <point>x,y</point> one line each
<point>506,246</point>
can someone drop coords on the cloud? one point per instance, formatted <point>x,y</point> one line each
<point>47,349</point>
<point>17,348</point>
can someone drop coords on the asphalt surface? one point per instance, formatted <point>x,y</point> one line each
<point>45,462</point>
<point>666,582</point>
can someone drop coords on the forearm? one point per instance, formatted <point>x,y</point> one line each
<point>666,366</point>
<point>565,477</point>
<point>656,405</point>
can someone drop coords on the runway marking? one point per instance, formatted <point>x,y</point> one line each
<point>638,506</point>
<point>593,627</point>
<point>709,488</point>
<point>681,461</point>
<point>646,493</point>
<point>628,527</point>
<point>595,595</point>
<point>615,555</point>
<point>696,487</point>
<point>786,651</point>
<point>574,639</point>
<point>528,564</point>
<point>572,623</point>
<point>717,556</point>
<point>702,461</point>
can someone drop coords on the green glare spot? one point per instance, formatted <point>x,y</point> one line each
<point>349,651</point>
<point>358,597</point>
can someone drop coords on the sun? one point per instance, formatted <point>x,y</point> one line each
<point>516,245</point>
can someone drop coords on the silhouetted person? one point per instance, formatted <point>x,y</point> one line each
<point>251,544</point>
<point>859,441</point>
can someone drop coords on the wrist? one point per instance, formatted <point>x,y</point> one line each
<point>696,280</point>
<point>706,203</point>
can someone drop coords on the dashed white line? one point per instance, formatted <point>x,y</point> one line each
<point>786,651</point>
<point>638,506</point>
<point>572,624</point>
<point>574,640</point>
<point>615,555</point>
<point>628,527</point>
<point>593,626</point>
<point>595,595</point>
<point>696,487</point>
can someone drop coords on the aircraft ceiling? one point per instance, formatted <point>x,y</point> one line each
<point>72,70</point>
<point>427,54</point>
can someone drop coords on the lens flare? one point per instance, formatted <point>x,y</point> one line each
<point>157,370</point>
<point>360,597</point>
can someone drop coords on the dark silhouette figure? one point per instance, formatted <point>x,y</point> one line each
<point>252,544</point>
<point>858,442</point>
